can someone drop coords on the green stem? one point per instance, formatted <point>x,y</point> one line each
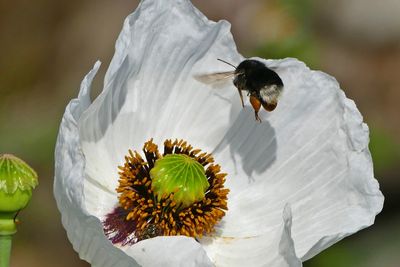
<point>5,250</point>
<point>7,229</point>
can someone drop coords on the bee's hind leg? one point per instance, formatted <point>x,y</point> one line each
<point>257,117</point>
<point>256,106</point>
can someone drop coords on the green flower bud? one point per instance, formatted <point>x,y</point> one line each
<point>17,180</point>
<point>181,175</point>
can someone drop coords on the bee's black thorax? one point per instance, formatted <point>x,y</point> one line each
<point>252,75</point>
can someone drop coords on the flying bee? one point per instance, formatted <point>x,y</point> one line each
<point>263,85</point>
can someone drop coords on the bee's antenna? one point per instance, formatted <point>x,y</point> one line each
<point>226,62</point>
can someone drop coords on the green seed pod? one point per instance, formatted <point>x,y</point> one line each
<point>181,175</point>
<point>17,180</point>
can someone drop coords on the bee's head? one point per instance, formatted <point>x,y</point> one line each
<point>238,79</point>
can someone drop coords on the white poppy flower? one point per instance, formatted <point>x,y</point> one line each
<point>299,181</point>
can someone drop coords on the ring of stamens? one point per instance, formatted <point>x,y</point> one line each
<point>141,215</point>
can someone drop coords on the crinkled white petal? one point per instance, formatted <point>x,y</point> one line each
<point>150,91</point>
<point>273,248</point>
<point>311,152</point>
<point>84,230</point>
<point>174,251</point>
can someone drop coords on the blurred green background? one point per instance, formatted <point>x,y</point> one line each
<point>48,46</point>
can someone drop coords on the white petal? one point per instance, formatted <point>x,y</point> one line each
<point>85,231</point>
<point>311,152</point>
<point>274,248</point>
<point>174,251</point>
<point>150,90</point>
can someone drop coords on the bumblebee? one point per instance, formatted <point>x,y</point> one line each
<point>263,85</point>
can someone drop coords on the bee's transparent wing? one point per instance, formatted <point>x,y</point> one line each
<point>217,79</point>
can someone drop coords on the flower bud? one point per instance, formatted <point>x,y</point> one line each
<point>17,180</point>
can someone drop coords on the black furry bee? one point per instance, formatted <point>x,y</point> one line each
<point>262,84</point>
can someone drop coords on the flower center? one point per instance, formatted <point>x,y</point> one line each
<point>179,192</point>
<point>181,175</point>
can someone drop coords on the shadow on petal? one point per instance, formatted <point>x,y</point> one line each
<point>255,143</point>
